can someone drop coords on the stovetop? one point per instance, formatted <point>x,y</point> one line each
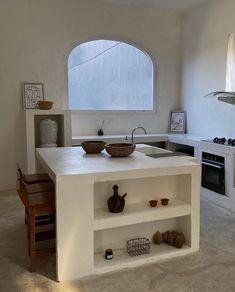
<point>222,141</point>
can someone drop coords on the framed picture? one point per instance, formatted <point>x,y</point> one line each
<point>177,122</point>
<point>32,92</point>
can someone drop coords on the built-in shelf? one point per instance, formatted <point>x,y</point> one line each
<point>122,259</point>
<point>140,213</point>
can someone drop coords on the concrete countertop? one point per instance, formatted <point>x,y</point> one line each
<point>74,161</point>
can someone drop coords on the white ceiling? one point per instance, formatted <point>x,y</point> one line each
<point>179,5</point>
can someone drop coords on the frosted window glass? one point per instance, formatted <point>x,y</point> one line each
<point>109,75</point>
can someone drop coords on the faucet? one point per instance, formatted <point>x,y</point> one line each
<point>133,131</point>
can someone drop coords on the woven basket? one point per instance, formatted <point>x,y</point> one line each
<point>120,149</point>
<point>93,147</point>
<point>45,104</point>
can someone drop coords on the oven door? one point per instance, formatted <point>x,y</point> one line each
<point>213,176</point>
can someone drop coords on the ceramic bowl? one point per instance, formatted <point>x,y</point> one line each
<point>45,104</point>
<point>120,149</point>
<point>93,147</point>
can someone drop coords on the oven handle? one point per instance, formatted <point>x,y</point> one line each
<point>212,165</point>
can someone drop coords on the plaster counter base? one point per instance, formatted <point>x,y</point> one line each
<point>84,226</point>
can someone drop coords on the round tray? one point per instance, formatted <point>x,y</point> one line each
<point>93,147</point>
<point>120,149</point>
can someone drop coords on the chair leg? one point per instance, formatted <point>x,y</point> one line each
<point>25,216</point>
<point>28,225</point>
<point>28,231</point>
<point>32,240</point>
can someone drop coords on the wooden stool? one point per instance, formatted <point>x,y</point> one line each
<point>38,204</point>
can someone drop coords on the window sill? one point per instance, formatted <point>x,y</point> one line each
<point>97,112</point>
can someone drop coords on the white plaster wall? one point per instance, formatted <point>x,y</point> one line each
<point>35,40</point>
<point>205,40</point>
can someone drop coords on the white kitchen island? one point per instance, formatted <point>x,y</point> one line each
<point>85,228</point>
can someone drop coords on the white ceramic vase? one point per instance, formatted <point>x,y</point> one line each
<point>48,133</point>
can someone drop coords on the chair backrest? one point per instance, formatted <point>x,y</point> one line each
<point>34,185</point>
<point>22,192</point>
<point>19,171</point>
<point>33,178</point>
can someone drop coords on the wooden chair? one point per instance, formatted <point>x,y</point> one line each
<point>35,183</point>
<point>38,204</point>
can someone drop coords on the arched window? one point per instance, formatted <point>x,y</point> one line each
<point>110,75</point>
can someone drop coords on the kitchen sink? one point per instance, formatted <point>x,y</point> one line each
<point>151,150</point>
<point>172,154</point>
<point>156,152</point>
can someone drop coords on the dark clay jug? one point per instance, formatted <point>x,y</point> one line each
<point>116,203</point>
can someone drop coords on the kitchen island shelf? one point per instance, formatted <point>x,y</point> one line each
<point>121,258</point>
<point>140,213</point>
<point>85,228</point>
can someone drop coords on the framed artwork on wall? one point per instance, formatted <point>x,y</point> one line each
<point>32,92</point>
<point>177,122</point>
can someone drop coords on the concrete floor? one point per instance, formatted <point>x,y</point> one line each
<point>211,269</point>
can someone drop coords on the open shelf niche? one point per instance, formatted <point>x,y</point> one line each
<point>140,220</point>
<point>116,238</point>
<point>32,119</point>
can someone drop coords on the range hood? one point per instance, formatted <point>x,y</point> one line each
<point>224,96</point>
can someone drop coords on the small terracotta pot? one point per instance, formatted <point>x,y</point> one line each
<point>164,201</point>
<point>153,203</point>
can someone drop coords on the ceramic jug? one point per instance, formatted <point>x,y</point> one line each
<point>116,203</point>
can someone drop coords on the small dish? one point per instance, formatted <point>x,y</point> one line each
<point>164,201</point>
<point>153,203</point>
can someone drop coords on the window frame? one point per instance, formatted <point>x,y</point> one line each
<point>134,44</point>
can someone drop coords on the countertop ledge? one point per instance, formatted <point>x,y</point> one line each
<point>152,137</point>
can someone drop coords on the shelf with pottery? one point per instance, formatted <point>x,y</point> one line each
<point>138,213</point>
<point>116,239</point>
<point>122,260</point>
<point>138,219</point>
<point>139,192</point>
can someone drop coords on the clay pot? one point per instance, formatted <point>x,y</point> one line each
<point>157,238</point>
<point>165,236</point>
<point>179,240</point>
<point>116,203</point>
<point>171,238</point>
<point>164,201</point>
<point>153,203</point>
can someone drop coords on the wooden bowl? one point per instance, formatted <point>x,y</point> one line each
<point>93,147</point>
<point>45,104</point>
<point>164,201</point>
<point>153,203</point>
<point>120,149</point>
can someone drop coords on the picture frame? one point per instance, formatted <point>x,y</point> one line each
<point>177,122</point>
<point>32,92</point>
